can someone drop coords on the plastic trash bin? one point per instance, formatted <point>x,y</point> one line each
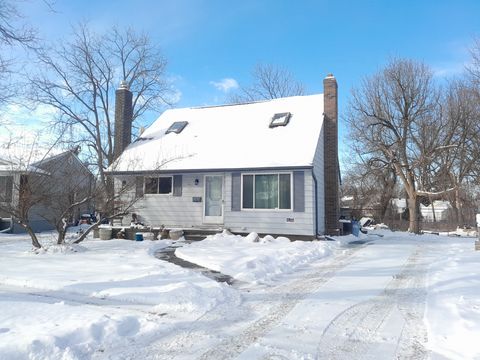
<point>138,237</point>
<point>105,233</point>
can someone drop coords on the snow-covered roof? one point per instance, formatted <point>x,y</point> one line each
<point>229,137</point>
<point>8,166</point>
<point>21,158</point>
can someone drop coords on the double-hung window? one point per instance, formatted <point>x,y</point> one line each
<point>267,191</point>
<point>158,185</point>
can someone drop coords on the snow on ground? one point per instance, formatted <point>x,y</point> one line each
<point>396,295</point>
<point>453,303</point>
<point>54,300</point>
<point>253,259</point>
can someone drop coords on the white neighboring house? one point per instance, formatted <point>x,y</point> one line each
<point>438,211</point>
<point>266,166</point>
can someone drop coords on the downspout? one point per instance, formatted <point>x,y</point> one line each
<point>315,182</point>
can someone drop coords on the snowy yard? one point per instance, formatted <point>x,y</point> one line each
<point>393,296</point>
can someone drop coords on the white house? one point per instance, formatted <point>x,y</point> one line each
<point>439,210</point>
<point>268,166</point>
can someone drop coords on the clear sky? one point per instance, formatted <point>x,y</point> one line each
<point>206,42</point>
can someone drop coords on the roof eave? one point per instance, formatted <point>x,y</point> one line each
<point>185,171</point>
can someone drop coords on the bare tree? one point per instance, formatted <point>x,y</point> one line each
<point>396,122</point>
<point>79,78</point>
<point>269,82</point>
<point>13,31</point>
<point>370,189</point>
<point>56,189</point>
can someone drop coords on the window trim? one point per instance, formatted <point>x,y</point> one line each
<point>158,187</point>
<point>267,173</point>
<point>286,115</point>
<point>182,124</point>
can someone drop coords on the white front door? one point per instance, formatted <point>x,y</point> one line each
<point>213,209</point>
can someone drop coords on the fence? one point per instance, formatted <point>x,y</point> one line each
<point>399,221</point>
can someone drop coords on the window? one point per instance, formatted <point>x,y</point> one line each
<point>177,127</point>
<point>280,119</point>
<point>158,185</point>
<point>267,191</point>
<point>6,188</point>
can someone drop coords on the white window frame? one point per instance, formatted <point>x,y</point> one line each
<point>158,187</point>
<point>269,173</point>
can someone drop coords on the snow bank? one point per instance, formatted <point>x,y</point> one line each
<point>72,304</point>
<point>253,259</point>
<point>453,303</point>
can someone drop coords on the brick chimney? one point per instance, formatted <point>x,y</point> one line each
<point>123,119</point>
<point>331,176</point>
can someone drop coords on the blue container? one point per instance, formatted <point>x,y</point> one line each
<point>138,237</point>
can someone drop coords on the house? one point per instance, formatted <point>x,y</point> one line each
<point>438,210</point>
<point>50,184</point>
<point>268,166</point>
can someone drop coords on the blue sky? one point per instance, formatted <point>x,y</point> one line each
<point>208,41</point>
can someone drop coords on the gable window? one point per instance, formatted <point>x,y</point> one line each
<point>280,119</point>
<point>177,127</point>
<point>158,185</point>
<point>267,191</point>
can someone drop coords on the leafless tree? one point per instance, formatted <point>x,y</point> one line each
<point>13,31</point>
<point>370,190</point>
<point>79,79</point>
<point>56,189</point>
<point>396,122</point>
<point>457,165</point>
<point>269,82</point>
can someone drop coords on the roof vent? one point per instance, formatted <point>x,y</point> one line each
<point>280,119</point>
<point>177,127</point>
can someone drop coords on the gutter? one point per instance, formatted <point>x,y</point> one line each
<point>200,171</point>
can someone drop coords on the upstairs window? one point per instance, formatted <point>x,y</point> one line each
<point>280,119</point>
<point>158,185</point>
<point>177,127</point>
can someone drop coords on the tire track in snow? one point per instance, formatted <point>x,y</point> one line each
<point>357,330</point>
<point>288,296</point>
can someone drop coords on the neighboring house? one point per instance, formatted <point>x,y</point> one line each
<point>439,210</point>
<point>62,179</point>
<point>269,167</point>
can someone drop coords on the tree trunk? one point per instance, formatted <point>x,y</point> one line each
<point>414,215</point>
<point>458,206</point>
<point>33,236</point>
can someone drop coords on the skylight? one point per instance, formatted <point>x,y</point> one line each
<point>280,119</point>
<point>177,127</point>
<point>143,139</point>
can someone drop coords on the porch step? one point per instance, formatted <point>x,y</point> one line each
<point>200,233</point>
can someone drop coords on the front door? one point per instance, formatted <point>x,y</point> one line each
<point>213,211</point>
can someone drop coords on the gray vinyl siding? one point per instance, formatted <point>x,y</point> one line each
<point>318,170</point>
<point>270,221</point>
<point>180,211</point>
<point>170,210</point>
